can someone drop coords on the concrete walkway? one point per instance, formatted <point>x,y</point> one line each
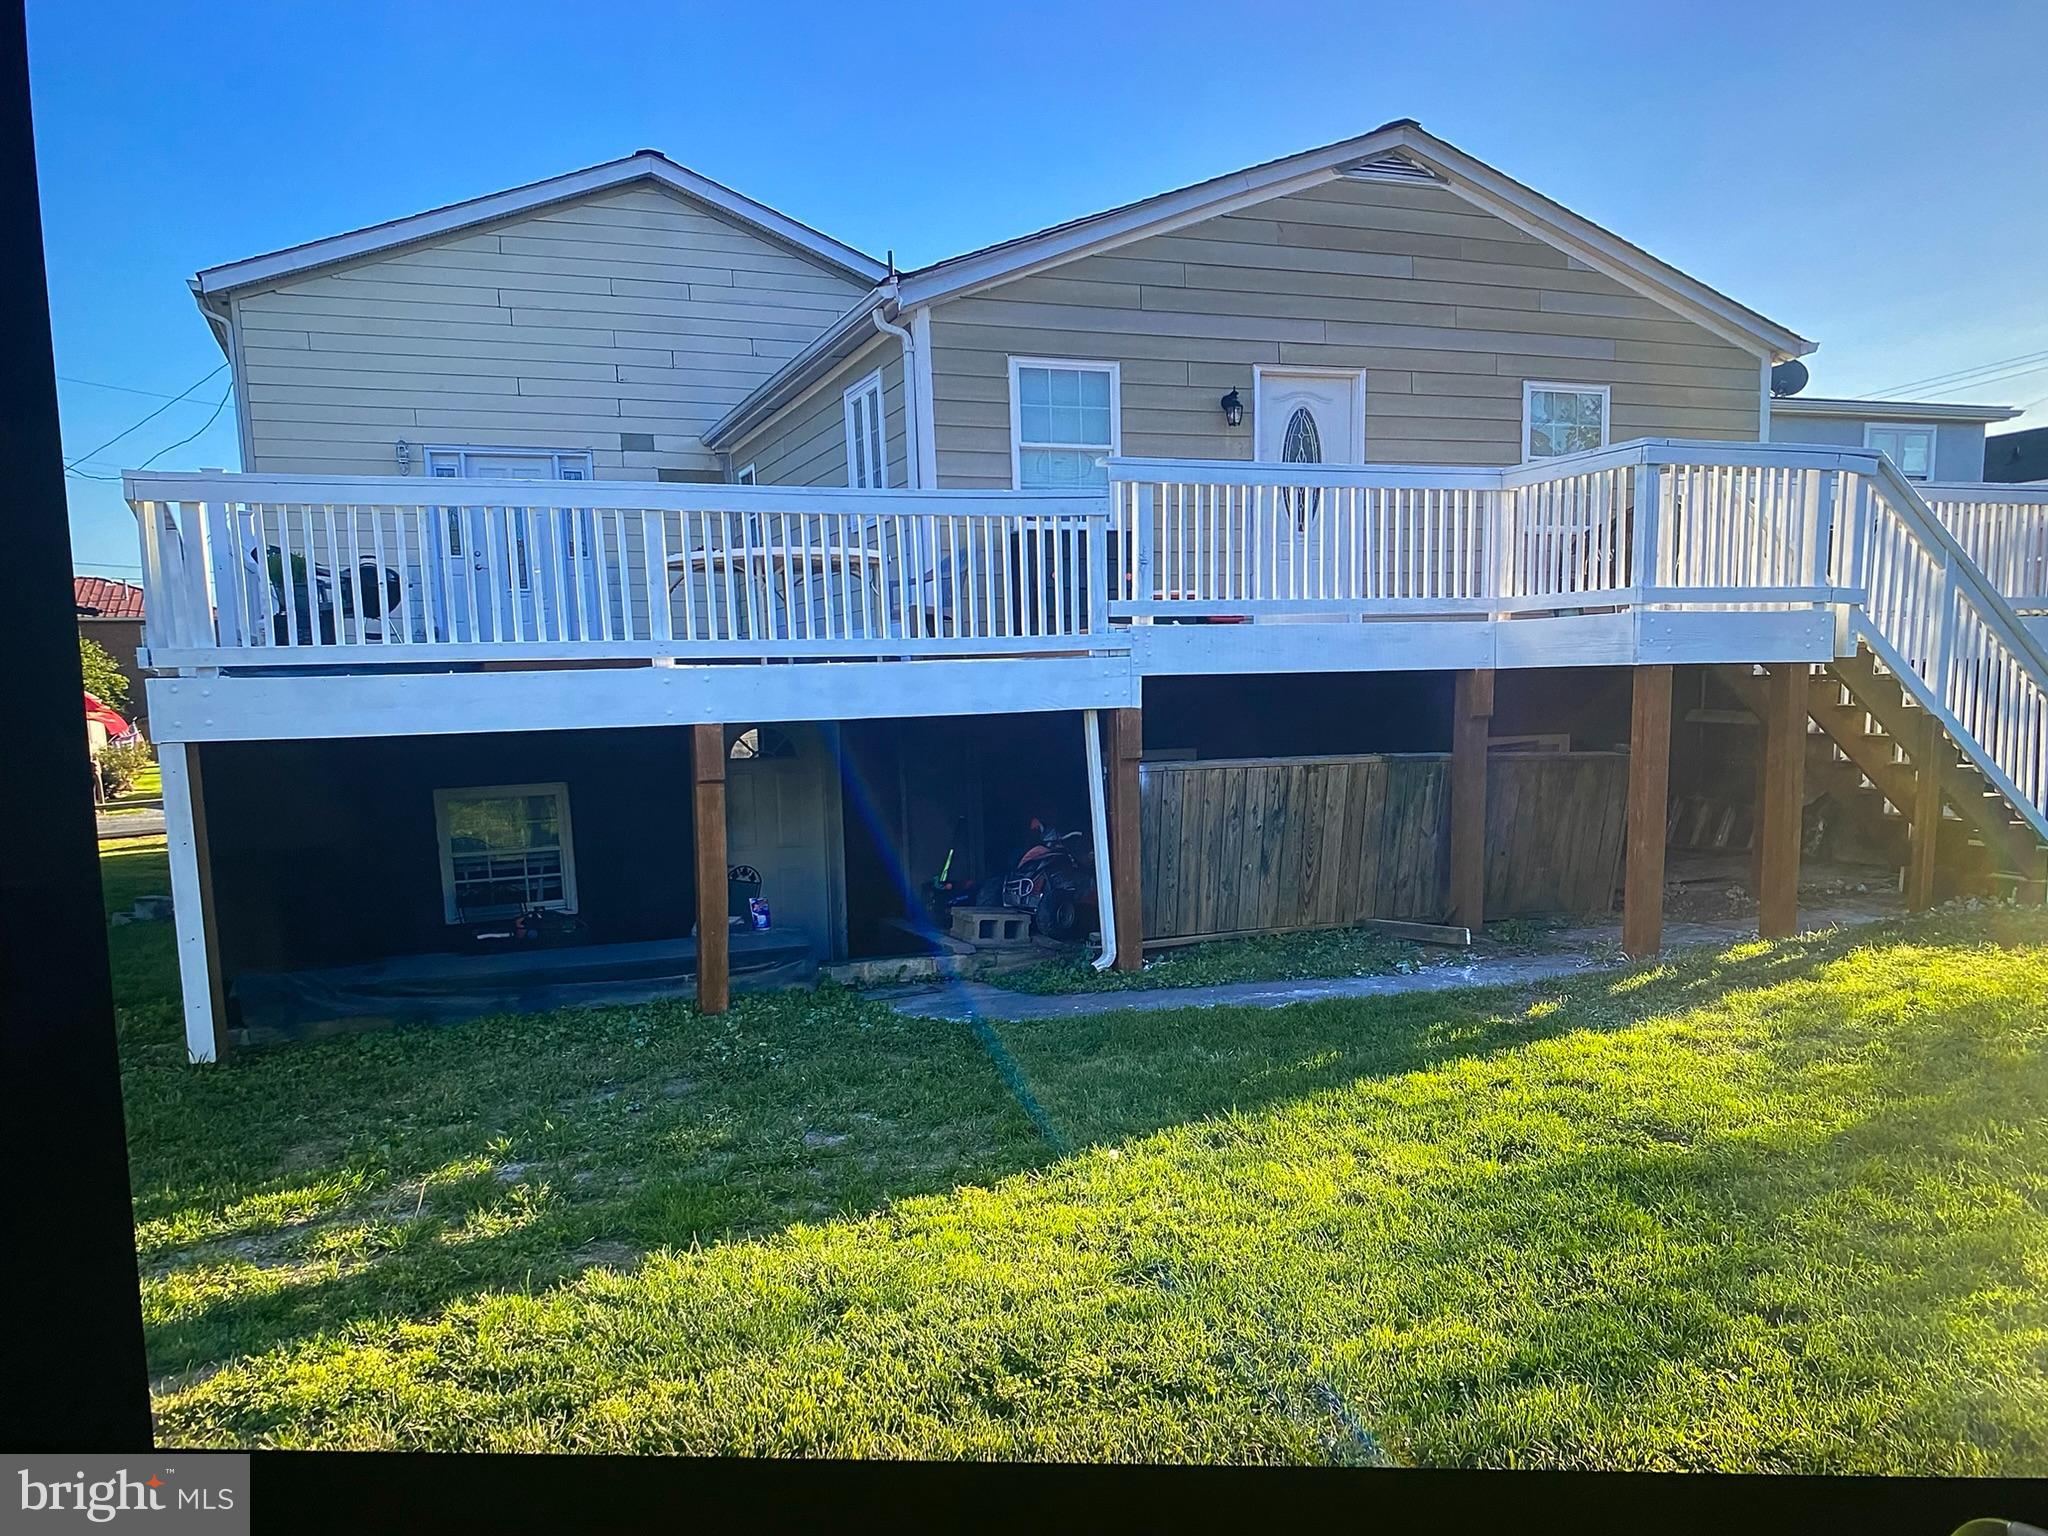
<point>131,824</point>
<point>1583,953</point>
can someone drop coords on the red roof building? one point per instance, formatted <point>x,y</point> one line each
<point>99,598</point>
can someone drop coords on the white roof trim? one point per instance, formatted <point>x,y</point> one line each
<point>1891,410</point>
<point>1477,182</point>
<point>646,164</point>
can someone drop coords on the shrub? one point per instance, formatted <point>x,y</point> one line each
<point>121,762</point>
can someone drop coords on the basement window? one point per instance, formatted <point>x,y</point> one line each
<point>505,849</point>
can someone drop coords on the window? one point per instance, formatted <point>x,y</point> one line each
<point>1562,418</point>
<point>1063,424</point>
<point>1911,448</point>
<point>505,849</point>
<point>867,468</point>
<point>746,477</point>
<point>758,743</point>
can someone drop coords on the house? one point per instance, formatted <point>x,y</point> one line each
<point>110,614</point>
<point>1929,441</point>
<point>1231,526</point>
<point>2017,457</point>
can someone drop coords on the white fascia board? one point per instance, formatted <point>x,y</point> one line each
<point>1891,410</point>
<point>794,379</point>
<point>438,222</point>
<point>1154,215</point>
<point>1601,249</point>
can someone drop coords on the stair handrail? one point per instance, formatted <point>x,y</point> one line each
<point>1961,577</point>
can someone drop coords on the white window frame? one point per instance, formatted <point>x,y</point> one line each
<point>868,393</point>
<point>746,476</point>
<point>1872,428</point>
<point>1565,387</point>
<point>560,791</point>
<point>1080,364</point>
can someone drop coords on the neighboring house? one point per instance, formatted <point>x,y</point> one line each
<point>110,613</point>
<point>1290,475</point>
<point>2017,458</point>
<point>1932,441</point>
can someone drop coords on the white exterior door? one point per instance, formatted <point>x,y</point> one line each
<point>779,818</point>
<point>467,537</point>
<point>1308,418</point>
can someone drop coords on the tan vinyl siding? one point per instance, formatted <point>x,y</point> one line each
<point>806,443</point>
<point>634,311</point>
<point>1447,308</point>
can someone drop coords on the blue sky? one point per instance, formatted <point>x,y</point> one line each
<point>1869,174</point>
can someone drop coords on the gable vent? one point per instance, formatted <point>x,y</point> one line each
<point>1390,168</point>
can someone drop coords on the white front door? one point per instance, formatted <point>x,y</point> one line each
<point>1308,418</point>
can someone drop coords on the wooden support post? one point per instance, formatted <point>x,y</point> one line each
<point>1649,782</point>
<point>203,988</point>
<point>1784,796</point>
<point>714,950</point>
<point>1126,742</point>
<point>1471,723</point>
<point>1926,814</point>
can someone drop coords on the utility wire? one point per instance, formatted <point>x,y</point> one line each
<point>152,416</point>
<point>1960,373</point>
<point>218,406</point>
<point>126,389</point>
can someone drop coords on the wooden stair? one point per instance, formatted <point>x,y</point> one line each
<point>1865,745</point>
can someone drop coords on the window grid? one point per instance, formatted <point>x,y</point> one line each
<point>867,467</point>
<point>1911,448</point>
<point>1563,418</point>
<point>1064,423</point>
<point>505,849</point>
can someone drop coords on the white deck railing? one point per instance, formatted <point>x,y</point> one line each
<point>2004,530</point>
<point>1650,522</point>
<point>327,571</point>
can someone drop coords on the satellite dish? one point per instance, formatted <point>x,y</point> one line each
<point>1788,378</point>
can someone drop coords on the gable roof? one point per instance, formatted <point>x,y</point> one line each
<point>1397,151</point>
<point>96,597</point>
<point>1378,155</point>
<point>643,165</point>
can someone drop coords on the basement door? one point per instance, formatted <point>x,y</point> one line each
<point>1308,417</point>
<point>782,817</point>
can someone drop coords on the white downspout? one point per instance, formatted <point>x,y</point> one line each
<point>913,428</point>
<point>1098,816</point>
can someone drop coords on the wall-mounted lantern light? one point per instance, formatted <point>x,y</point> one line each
<point>1233,409</point>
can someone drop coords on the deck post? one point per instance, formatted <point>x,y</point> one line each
<point>1784,795</point>
<point>714,956</point>
<point>1926,814</point>
<point>200,981</point>
<point>1126,744</point>
<point>1649,778</point>
<point>1471,723</point>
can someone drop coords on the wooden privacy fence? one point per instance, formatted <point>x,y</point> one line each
<point>1262,845</point>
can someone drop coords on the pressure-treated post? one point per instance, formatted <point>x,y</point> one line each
<point>1649,779</point>
<point>1926,814</point>
<point>1471,722</point>
<point>1126,742</point>
<point>714,960</point>
<point>1784,795</point>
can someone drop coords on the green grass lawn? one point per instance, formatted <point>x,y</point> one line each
<point>145,794</point>
<point>1777,1208</point>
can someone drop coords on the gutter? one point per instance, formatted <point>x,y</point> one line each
<point>913,427</point>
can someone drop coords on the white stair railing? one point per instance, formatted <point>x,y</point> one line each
<point>1940,624</point>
